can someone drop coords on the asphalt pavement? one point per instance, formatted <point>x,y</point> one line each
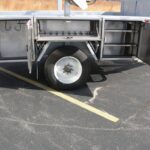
<point>31,118</point>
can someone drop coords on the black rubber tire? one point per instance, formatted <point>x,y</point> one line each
<point>58,54</point>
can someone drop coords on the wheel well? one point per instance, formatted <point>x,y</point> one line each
<point>54,45</point>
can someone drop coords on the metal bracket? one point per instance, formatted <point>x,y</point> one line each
<point>43,51</point>
<point>91,51</point>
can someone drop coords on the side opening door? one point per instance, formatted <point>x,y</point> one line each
<point>16,40</point>
<point>120,39</point>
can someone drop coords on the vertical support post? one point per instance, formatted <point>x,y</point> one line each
<point>67,8</point>
<point>59,5</point>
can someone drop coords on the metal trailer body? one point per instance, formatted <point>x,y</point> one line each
<point>29,36</point>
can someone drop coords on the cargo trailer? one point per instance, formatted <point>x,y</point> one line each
<point>68,44</point>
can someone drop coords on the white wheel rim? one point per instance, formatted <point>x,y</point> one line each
<point>68,70</point>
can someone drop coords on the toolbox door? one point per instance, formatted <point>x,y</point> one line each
<point>120,39</point>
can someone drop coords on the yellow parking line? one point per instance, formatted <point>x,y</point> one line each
<point>63,96</point>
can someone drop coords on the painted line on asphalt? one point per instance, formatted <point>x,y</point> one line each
<point>67,98</point>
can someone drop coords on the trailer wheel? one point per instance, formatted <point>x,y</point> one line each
<point>67,68</point>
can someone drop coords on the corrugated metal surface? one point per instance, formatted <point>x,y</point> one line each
<point>135,7</point>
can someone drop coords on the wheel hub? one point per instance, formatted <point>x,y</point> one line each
<point>68,70</point>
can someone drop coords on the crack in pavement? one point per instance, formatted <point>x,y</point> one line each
<point>75,127</point>
<point>95,94</point>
